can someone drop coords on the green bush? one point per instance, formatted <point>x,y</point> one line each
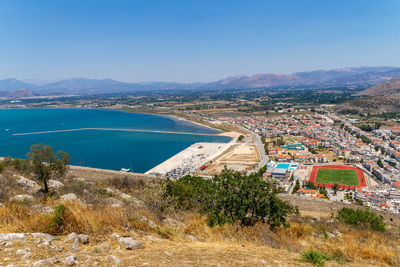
<point>315,257</point>
<point>362,217</point>
<point>57,222</point>
<point>231,197</point>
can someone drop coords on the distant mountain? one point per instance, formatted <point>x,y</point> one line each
<point>16,94</point>
<point>9,85</point>
<point>362,76</point>
<point>390,87</point>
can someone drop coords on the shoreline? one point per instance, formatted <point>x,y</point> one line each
<point>219,132</point>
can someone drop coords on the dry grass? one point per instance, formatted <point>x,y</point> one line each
<point>226,245</point>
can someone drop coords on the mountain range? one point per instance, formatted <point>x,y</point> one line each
<point>387,88</point>
<point>360,76</point>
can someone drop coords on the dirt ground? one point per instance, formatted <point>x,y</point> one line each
<point>241,157</point>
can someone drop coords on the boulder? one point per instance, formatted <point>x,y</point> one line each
<point>69,197</point>
<point>129,243</point>
<point>28,185</point>
<point>12,236</point>
<point>43,236</point>
<point>22,198</point>
<point>70,260</point>
<point>72,236</point>
<point>83,238</point>
<point>55,185</point>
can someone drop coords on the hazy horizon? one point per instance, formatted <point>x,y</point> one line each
<point>192,41</point>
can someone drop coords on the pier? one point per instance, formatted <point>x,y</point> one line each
<point>113,129</point>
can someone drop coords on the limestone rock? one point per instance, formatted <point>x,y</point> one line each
<point>54,184</point>
<point>83,238</point>
<point>22,198</point>
<point>42,209</point>
<point>129,243</point>
<point>12,236</point>
<point>72,236</point>
<point>28,185</point>
<point>43,236</point>
<point>69,197</point>
<point>112,260</point>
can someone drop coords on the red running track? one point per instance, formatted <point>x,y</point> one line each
<point>360,175</point>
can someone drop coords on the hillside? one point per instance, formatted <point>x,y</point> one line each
<point>113,219</point>
<point>390,87</point>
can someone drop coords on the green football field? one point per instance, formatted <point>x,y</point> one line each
<point>337,176</point>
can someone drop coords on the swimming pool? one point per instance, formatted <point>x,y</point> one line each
<point>282,166</point>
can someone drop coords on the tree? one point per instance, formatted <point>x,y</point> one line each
<point>379,162</point>
<point>232,197</point>
<point>335,188</point>
<point>296,187</point>
<point>46,164</point>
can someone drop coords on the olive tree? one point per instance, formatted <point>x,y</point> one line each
<point>46,164</point>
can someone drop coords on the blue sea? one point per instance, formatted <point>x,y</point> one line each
<point>139,151</point>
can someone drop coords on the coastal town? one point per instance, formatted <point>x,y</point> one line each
<point>295,144</point>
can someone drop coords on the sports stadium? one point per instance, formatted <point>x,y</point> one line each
<point>346,177</point>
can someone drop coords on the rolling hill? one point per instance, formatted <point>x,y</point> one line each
<point>390,87</point>
<point>365,76</point>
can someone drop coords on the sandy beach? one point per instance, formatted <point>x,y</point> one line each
<point>189,159</point>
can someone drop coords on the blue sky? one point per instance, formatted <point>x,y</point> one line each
<point>190,40</point>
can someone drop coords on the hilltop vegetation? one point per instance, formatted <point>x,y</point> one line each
<point>232,219</point>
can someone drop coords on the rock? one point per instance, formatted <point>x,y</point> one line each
<point>7,244</point>
<point>22,198</point>
<point>125,197</point>
<point>129,243</point>
<point>75,245</point>
<point>114,202</point>
<point>22,251</point>
<point>43,236</point>
<point>55,185</point>
<point>263,262</point>
<point>28,185</point>
<point>86,192</point>
<point>149,222</point>
<point>12,236</point>
<point>170,222</point>
<point>83,238</point>
<point>103,246</point>
<point>114,261</point>
<point>72,236</point>
<point>42,209</point>
<point>70,260</point>
<point>145,264</point>
<point>137,204</point>
<point>1,204</point>
<point>56,249</point>
<point>69,197</point>
<point>46,262</point>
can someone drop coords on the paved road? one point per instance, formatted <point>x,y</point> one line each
<point>260,146</point>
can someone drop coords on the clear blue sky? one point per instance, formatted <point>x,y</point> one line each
<point>191,40</point>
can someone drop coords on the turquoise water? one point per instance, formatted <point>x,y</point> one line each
<point>283,166</point>
<point>96,148</point>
